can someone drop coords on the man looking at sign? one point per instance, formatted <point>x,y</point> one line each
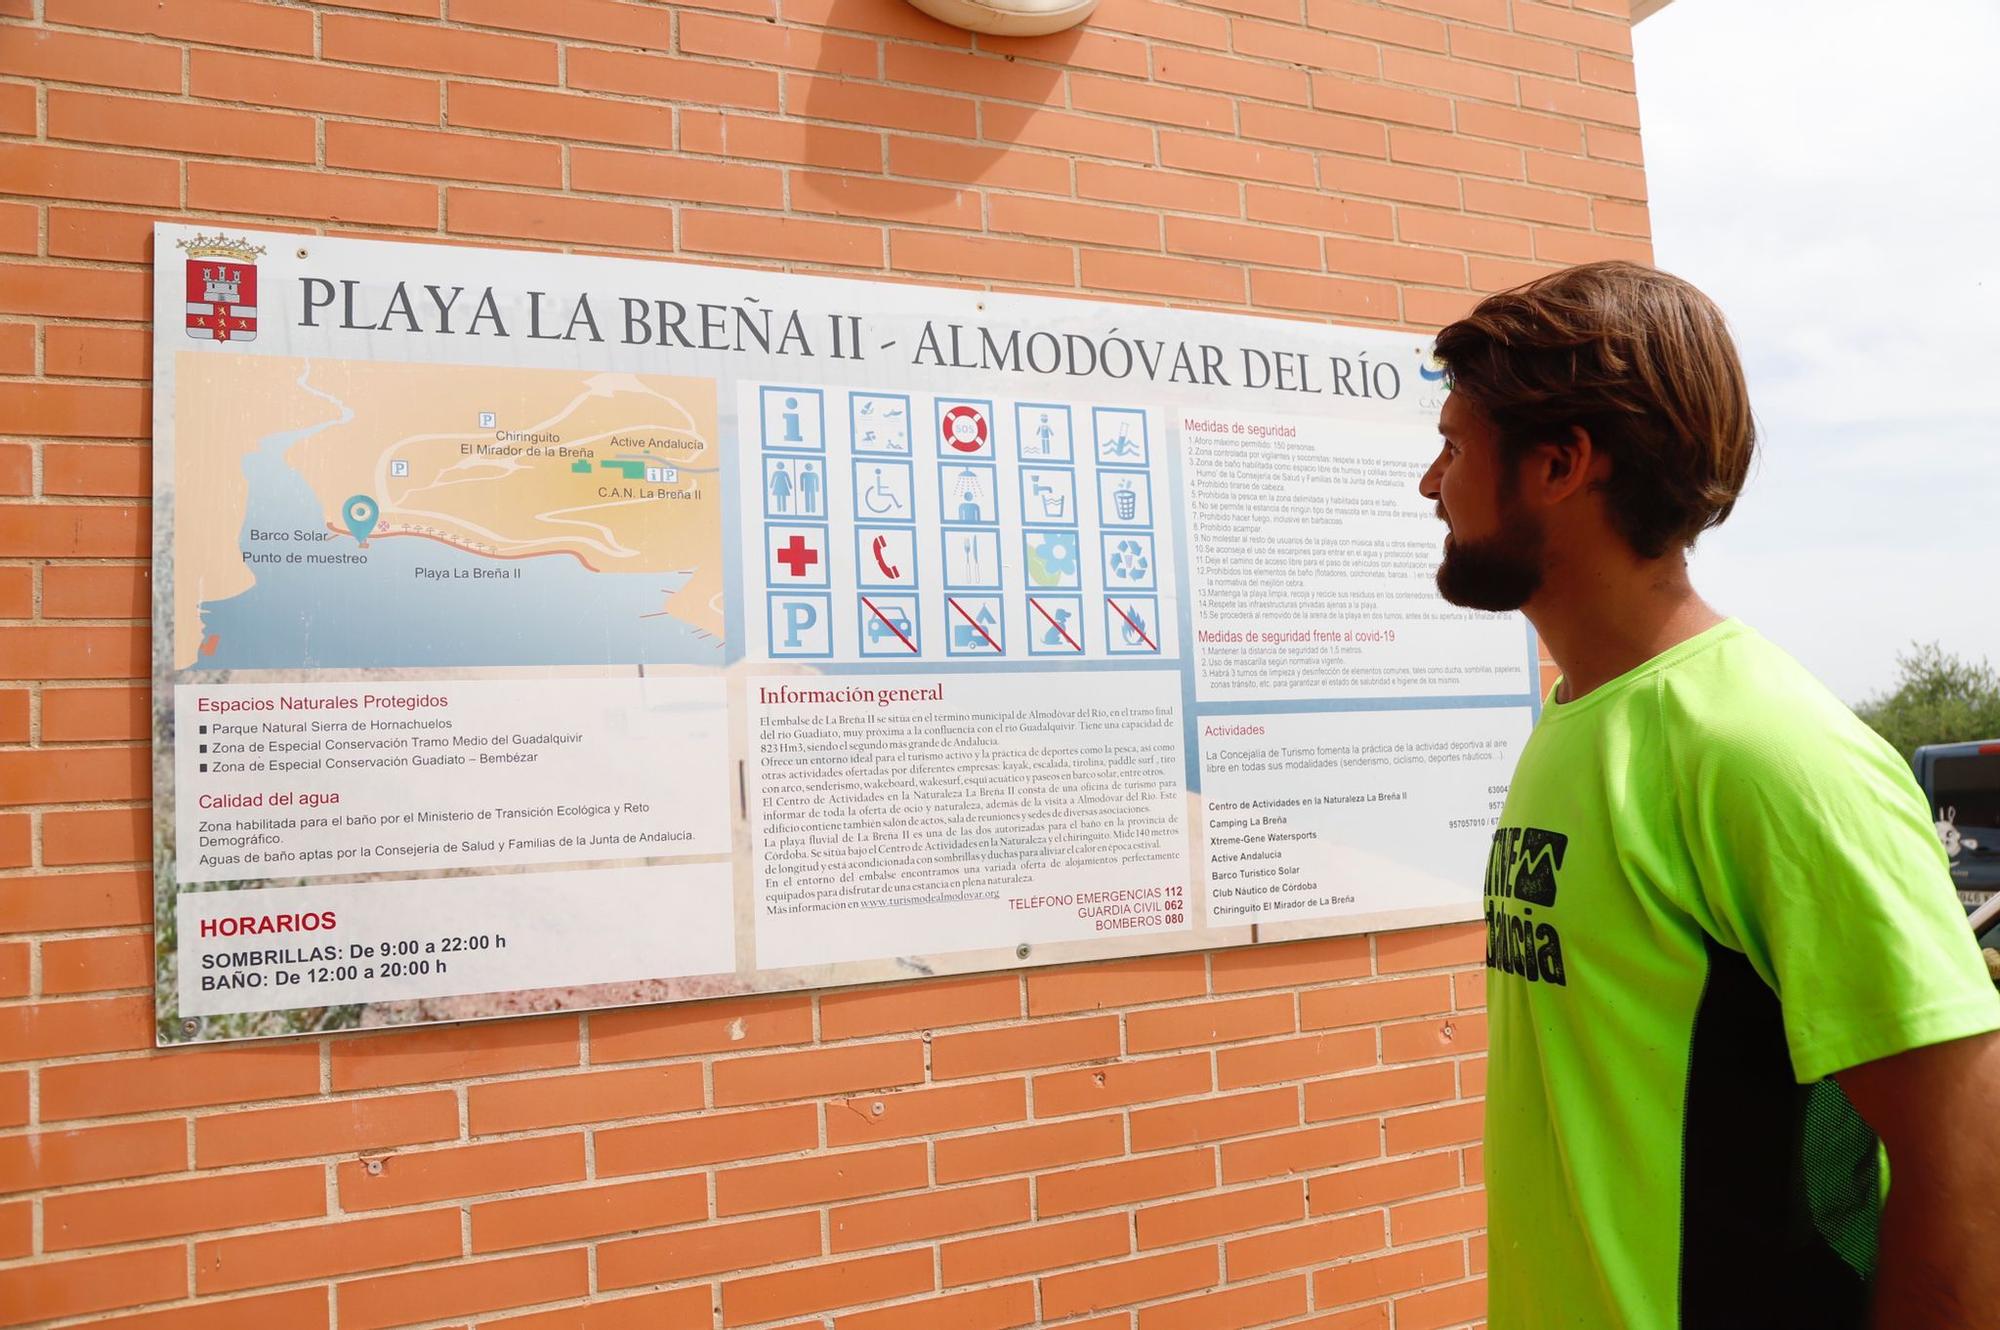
<point>1725,954</point>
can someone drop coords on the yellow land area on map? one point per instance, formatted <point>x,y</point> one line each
<point>618,471</point>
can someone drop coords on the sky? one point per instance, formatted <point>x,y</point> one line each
<point>1829,171</point>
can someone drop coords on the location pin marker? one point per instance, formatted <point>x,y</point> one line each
<point>361,514</point>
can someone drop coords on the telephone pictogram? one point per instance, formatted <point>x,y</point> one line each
<point>889,570</point>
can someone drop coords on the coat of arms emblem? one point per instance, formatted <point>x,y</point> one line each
<point>221,288</point>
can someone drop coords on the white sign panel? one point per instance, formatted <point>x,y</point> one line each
<point>539,632</point>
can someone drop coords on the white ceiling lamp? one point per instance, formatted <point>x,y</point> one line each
<point>1009,18</point>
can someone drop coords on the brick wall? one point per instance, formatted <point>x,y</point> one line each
<point>1284,1136</point>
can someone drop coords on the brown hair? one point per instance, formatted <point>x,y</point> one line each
<point>1641,360</point>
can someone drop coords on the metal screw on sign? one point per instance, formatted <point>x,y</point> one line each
<point>190,1027</point>
<point>1021,952</point>
<point>302,251</point>
<point>375,1168</point>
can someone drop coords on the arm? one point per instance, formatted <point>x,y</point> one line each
<point>1937,1110</point>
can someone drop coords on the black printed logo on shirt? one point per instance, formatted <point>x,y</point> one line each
<point>1521,878</point>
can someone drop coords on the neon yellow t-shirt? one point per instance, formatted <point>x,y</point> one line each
<point>1712,886</point>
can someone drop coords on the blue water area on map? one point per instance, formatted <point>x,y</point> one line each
<point>381,614</point>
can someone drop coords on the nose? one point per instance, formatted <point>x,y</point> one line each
<point>1432,485</point>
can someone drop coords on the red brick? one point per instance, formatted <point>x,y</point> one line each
<point>46,1290</point>
<point>1522,53</point>
<point>1434,1127</point>
<point>1468,986</point>
<point>1073,221</point>
<point>652,77</point>
<point>120,237</point>
<point>1081,135</point>
<point>588,1212</point>
<point>39,1160</point>
<point>976,72</point>
<point>1133,1081</point>
<point>1430,948</point>
<point>135,122</point>
<point>1456,1305</point>
<point>771,1297</point>
<point>1301,1245</point>
<point>73,714</point>
<point>557,115</point>
<point>711,1138</point>
<point>42,903</point>
<point>311,86</point>
<point>936,1213</point>
<point>978,257</point>
<point>1026,1149</point>
<point>1447,75</point>
<point>1625,218</point>
<point>588,20</point>
<point>96,591</point>
<point>599,1096</point>
<point>1376,101</point>
<point>1015,1048</point>
<point>463,1170</point>
<point>166,1209</point>
<point>1287,43</point>
<point>1324,212</point>
<point>883,20</point>
<point>1523,127</point>
<point>109,836</point>
<point>680,1309</point>
<point>430,154</point>
<point>1378,1184</point>
<point>1378,1092</point>
<point>887,1117</point>
<point>258,27</point>
<point>1378,1276</point>
<point>1078,48</point>
<point>940,159</point>
<point>314,194</point>
<point>17,356</point>
<point>20,228</point>
<point>1571,247</point>
<point>13,1098</point>
<point>981,1309</point>
<point>731,1025</point>
<point>1238,1211</point>
<point>1457,231</point>
<point>1044,1246</point>
<point>78,351</point>
<point>1306,1151</point>
<point>1420,1221</point>
<point>73,775</point>
<point>71,57</point>
<point>1214,1119</point>
<point>1381,180</point>
<point>1376,23</point>
<point>818,1072</point>
<point>887,200</point>
<point>1102,1186</point>
<point>1152,103</point>
<point>33,1031</point>
<point>1156,189</point>
<point>462,1289</point>
<point>433,49</point>
<point>342,1126</point>
<point>17,1230</point>
<point>16,978</point>
<point>1119,1283</point>
<point>1573,29</point>
<point>1293,1059</point>
<point>410,1057</point>
<point>72,293</point>
<point>1422,1040</point>
<point>1231,1309</point>
<point>1170,22</point>
<point>1369,1003</point>
<point>1613,145</point>
<point>817,1180</point>
<point>1586,175</point>
<point>783,238</point>
<point>323,1251</point>
<point>708,1250</point>
<point>934,1004</point>
<point>733,39</point>
<point>1154,277</point>
<point>652,175</point>
<point>71,653</point>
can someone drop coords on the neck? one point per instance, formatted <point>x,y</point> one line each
<point>1603,616</point>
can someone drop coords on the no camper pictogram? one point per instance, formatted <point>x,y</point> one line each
<point>1058,624</point>
<point>973,621</point>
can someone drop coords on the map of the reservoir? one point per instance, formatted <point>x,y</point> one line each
<point>362,514</point>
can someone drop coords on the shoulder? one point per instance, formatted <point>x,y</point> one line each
<point>1746,716</point>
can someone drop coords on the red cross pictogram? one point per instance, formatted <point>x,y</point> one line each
<point>798,556</point>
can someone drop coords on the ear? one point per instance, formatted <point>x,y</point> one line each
<point>1565,466</point>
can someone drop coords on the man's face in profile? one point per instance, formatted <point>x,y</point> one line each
<point>1493,549</point>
